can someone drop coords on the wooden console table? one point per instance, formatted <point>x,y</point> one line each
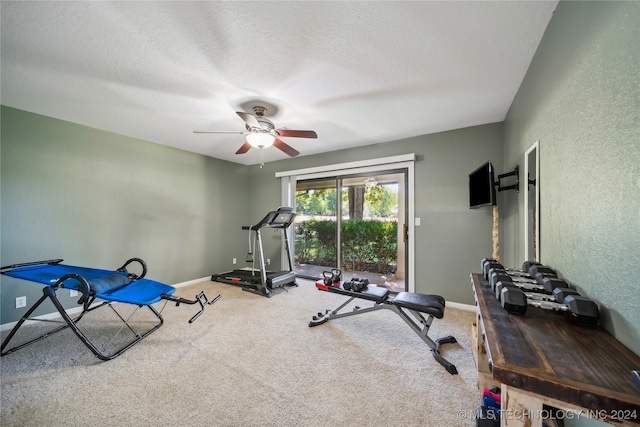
<point>540,358</point>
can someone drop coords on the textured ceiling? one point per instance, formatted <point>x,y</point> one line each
<point>357,73</point>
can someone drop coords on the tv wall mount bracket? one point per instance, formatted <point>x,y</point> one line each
<point>516,186</point>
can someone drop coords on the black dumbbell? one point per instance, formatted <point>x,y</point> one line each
<point>496,276</point>
<point>558,295</point>
<point>356,285</point>
<point>542,283</point>
<point>533,293</point>
<point>534,272</point>
<point>539,272</point>
<point>525,265</point>
<point>580,310</point>
<point>488,263</point>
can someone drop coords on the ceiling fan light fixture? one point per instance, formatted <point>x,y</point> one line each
<point>261,140</point>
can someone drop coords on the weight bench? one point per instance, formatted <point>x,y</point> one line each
<point>403,304</point>
<point>110,286</point>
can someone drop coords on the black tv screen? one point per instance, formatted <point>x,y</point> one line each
<point>482,191</point>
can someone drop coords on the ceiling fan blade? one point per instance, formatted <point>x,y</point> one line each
<point>245,147</point>
<point>249,119</point>
<point>286,148</point>
<point>220,131</point>
<point>297,133</point>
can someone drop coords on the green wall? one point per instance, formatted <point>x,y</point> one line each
<point>452,238</point>
<point>96,199</point>
<point>581,99</point>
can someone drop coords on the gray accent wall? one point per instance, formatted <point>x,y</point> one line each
<point>452,239</point>
<point>96,199</point>
<point>581,100</point>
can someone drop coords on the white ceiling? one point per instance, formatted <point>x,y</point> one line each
<point>356,72</point>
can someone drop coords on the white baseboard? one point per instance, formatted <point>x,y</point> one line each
<point>192,282</point>
<point>49,316</point>
<point>460,306</point>
<point>78,310</point>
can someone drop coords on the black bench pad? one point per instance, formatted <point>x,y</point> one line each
<point>430,304</point>
<point>372,293</point>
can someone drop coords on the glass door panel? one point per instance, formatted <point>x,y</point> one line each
<point>372,231</point>
<point>315,227</point>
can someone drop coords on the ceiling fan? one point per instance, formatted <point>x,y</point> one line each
<point>261,133</point>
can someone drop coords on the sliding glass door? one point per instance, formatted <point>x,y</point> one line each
<point>356,223</point>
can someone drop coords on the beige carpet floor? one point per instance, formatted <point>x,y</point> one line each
<point>247,361</point>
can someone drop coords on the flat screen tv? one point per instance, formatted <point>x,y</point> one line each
<point>482,190</point>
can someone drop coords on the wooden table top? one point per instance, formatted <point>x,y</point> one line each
<point>542,352</point>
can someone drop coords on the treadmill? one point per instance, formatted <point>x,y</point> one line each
<point>260,281</point>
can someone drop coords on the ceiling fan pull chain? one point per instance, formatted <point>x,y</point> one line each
<point>261,157</point>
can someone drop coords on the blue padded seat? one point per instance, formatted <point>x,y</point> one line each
<point>140,292</point>
<point>430,304</point>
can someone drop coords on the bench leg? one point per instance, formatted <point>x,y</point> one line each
<point>450,367</point>
<point>423,332</point>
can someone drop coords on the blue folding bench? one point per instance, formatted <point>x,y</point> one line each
<point>119,286</point>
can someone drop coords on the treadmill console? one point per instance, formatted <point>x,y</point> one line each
<point>281,218</point>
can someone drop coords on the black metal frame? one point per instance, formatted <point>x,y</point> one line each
<point>515,172</point>
<point>87,300</point>
<point>420,325</point>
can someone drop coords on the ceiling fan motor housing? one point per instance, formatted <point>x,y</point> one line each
<point>266,124</point>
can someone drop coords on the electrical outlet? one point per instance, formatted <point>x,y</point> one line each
<point>268,261</point>
<point>235,260</point>
<point>21,302</point>
<point>73,293</point>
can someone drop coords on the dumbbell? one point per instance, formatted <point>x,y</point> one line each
<point>356,285</point>
<point>496,276</point>
<point>554,290</point>
<point>525,265</point>
<point>538,273</point>
<point>489,263</point>
<point>580,310</point>
<point>543,282</point>
<point>556,296</point>
<point>509,284</point>
<point>529,268</point>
